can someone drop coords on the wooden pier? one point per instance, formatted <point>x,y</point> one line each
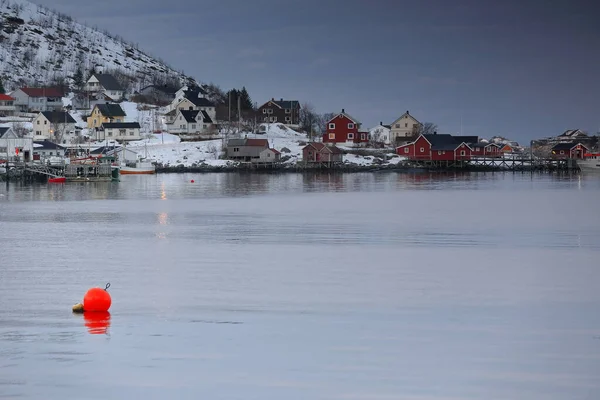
<point>500,164</point>
<point>36,172</point>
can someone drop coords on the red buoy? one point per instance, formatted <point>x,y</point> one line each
<point>97,299</point>
<point>192,181</point>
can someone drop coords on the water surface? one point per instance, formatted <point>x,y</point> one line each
<point>285,286</point>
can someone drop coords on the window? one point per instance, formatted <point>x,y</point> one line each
<point>109,133</point>
<point>121,132</point>
<point>406,125</point>
<point>422,150</point>
<point>266,119</point>
<point>204,126</point>
<point>397,125</point>
<point>131,133</point>
<point>45,122</point>
<point>38,133</point>
<point>439,153</point>
<point>350,136</point>
<point>331,126</point>
<point>38,122</point>
<point>288,111</point>
<point>269,111</point>
<point>562,152</point>
<point>287,119</point>
<point>463,153</point>
<point>236,149</point>
<point>193,126</point>
<point>332,136</point>
<point>363,136</point>
<point>350,126</point>
<point>264,110</point>
<point>406,150</point>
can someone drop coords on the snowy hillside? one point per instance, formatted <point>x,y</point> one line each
<point>40,46</point>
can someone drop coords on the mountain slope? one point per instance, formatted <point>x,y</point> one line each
<point>40,46</point>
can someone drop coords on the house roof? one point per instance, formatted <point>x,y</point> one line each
<point>47,145</point>
<point>58,117</point>
<point>43,92</point>
<point>344,114</point>
<point>6,97</point>
<point>484,144</point>
<point>110,110</point>
<point>206,118</point>
<point>448,142</point>
<point>195,97</point>
<point>573,132</point>
<point>318,146</point>
<point>3,131</point>
<point>567,146</point>
<point>162,88</point>
<point>121,125</point>
<point>189,115</point>
<point>108,82</point>
<point>273,150</point>
<point>248,142</point>
<point>403,115</point>
<point>283,103</point>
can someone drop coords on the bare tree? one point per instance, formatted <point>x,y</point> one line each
<point>428,128</point>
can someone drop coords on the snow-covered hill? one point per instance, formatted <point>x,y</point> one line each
<point>40,46</point>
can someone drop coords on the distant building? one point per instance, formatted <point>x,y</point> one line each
<point>344,129</point>
<point>104,113</point>
<point>380,134</point>
<point>57,126</point>
<point>439,147</point>
<point>105,84</point>
<point>404,128</point>
<point>246,149</point>
<point>45,149</point>
<point>570,150</point>
<point>119,131</point>
<point>282,111</point>
<point>38,99</point>
<point>14,147</point>
<point>269,156</point>
<point>572,135</point>
<point>190,122</point>
<point>316,152</point>
<point>158,94</point>
<point>486,150</point>
<point>7,105</point>
<point>190,100</point>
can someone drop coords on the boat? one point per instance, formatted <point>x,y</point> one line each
<point>140,167</point>
<point>590,163</point>
<point>60,179</point>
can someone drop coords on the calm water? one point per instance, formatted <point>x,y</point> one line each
<point>365,286</point>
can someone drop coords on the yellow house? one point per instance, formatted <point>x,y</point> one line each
<point>105,113</point>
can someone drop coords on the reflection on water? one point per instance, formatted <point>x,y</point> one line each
<point>303,286</point>
<point>97,323</point>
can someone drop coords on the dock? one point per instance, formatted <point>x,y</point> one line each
<point>36,172</point>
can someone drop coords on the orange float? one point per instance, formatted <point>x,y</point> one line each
<point>97,300</point>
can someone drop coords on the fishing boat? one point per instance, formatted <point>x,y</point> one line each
<point>139,167</point>
<point>590,163</point>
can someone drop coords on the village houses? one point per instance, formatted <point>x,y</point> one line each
<point>190,122</point>
<point>7,105</point>
<point>191,113</point>
<point>104,113</point>
<point>281,111</point>
<point>316,152</point>
<point>344,128</point>
<point>246,149</point>
<point>119,131</point>
<point>45,149</point>
<point>38,99</point>
<point>439,147</point>
<point>56,126</point>
<point>158,94</point>
<point>404,129</point>
<point>13,147</point>
<point>105,85</point>
<point>380,134</point>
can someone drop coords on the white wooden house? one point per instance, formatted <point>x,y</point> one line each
<point>14,148</point>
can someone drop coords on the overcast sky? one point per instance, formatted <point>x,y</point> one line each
<point>522,69</point>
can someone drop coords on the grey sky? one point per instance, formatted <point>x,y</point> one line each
<point>522,69</point>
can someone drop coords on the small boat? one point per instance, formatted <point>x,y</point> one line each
<point>60,179</point>
<point>138,168</point>
<point>590,163</point>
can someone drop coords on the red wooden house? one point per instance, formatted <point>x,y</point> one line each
<point>569,150</point>
<point>488,150</point>
<point>344,129</point>
<point>438,148</point>
<point>315,152</point>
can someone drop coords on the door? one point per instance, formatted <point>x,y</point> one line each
<point>26,155</point>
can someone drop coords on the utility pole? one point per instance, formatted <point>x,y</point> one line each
<point>239,105</point>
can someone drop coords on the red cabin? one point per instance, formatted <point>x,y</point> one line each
<point>344,129</point>
<point>569,150</point>
<point>482,149</point>
<point>438,148</point>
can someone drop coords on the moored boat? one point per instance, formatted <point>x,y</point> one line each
<point>590,163</point>
<point>60,179</point>
<point>138,168</point>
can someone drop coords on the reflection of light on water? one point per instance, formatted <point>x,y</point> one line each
<point>163,218</point>
<point>163,194</point>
